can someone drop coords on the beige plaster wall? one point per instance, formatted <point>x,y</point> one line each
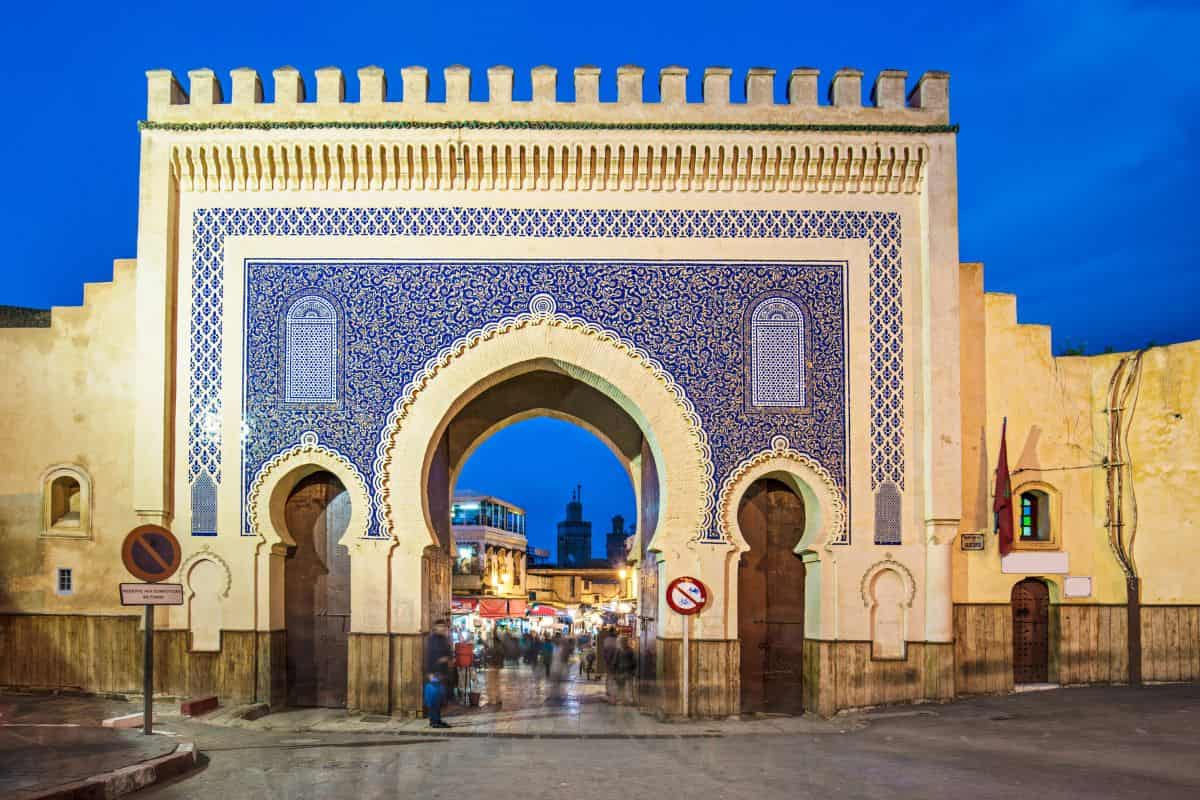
<point>1057,436</point>
<point>67,398</point>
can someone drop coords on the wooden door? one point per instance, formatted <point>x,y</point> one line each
<point>317,592</point>
<point>1031,632</point>
<point>771,599</point>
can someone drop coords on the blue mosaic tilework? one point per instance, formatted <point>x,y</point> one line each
<point>881,230</point>
<point>398,314</point>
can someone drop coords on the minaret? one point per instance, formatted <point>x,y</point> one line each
<point>575,534</point>
<point>614,542</point>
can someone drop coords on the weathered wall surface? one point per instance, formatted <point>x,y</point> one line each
<point>1059,440</point>
<point>66,398</point>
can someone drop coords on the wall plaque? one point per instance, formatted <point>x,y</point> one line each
<point>972,541</point>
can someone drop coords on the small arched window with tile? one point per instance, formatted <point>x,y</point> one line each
<point>311,351</point>
<point>777,355</point>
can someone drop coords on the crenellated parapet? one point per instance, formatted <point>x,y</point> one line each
<point>891,103</point>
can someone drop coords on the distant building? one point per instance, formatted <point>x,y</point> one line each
<point>575,534</point>
<point>491,552</point>
<point>615,542</point>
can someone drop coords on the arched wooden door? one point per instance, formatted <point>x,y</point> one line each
<point>771,598</point>
<point>317,592</point>
<point>1031,632</point>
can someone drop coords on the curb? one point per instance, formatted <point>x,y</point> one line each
<point>123,781</point>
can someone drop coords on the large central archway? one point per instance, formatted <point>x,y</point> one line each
<point>537,364</point>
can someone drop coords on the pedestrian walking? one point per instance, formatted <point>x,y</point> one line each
<point>626,669</point>
<point>438,659</point>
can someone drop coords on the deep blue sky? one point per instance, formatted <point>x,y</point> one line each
<point>537,463</point>
<point>1076,156</point>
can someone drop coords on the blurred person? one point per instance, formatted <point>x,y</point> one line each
<point>625,667</point>
<point>438,658</point>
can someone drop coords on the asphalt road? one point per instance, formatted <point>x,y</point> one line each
<point>1075,743</point>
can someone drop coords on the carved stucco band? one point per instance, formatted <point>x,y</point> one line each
<point>781,448</point>
<point>910,585</point>
<point>542,311</point>
<point>205,554</point>
<point>308,445</point>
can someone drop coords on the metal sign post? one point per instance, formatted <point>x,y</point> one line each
<point>152,553</point>
<point>686,596</point>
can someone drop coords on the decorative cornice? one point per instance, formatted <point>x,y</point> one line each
<point>542,312</point>
<point>555,164</point>
<point>731,490</point>
<point>544,125</point>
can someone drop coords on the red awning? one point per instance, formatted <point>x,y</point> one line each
<point>463,605</point>
<point>543,611</point>
<point>516,608</point>
<point>493,607</point>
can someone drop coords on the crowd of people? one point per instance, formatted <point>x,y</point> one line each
<point>451,668</point>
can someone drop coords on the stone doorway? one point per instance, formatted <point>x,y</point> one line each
<point>317,592</point>
<point>1031,632</point>
<point>771,598</point>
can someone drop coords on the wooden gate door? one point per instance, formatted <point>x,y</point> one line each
<point>1031,632</point>
<point>771,599</point>
<point>317,593</point>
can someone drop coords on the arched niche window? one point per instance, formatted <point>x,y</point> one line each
<point>204,506</point>
<point>887,514</point>
<point>310,351</point>
<point>66,501</point>
<point>776,381</point>
<point>1037,522</point>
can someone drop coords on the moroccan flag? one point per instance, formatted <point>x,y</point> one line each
<point>1002,504</point>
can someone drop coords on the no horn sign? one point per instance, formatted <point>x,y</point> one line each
<point>687,595</point>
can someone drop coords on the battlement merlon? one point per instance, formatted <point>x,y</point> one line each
<point>927,105</point>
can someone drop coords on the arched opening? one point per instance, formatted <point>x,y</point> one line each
<point>317,591</point>
<point>65,497</point>
<point>771,601</point>
<point>1031,631</point>
<point>533,484</point>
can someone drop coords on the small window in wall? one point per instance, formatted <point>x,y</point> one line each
<point>310,351</point>
<point>1035,526</point>
<point>776,355</point>
<point>64,581</point>
<point>66,502</point>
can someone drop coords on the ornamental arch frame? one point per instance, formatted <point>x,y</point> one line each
<point>541,340</point>
<point>825,525</point>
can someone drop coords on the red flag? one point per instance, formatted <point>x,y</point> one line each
<point>1002,504</point>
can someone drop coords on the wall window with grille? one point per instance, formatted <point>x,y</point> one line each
<point>1037,517</point>
<point>204,506</point>
<point>776,333</point>
<point>64,581</point>
<point>311,351</point>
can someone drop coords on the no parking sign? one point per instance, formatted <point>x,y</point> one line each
<point>687,595</point>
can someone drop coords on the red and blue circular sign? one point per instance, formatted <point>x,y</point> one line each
<point>151,552</point>
<point>687,595</point>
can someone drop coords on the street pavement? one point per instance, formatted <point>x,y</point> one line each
<point>1110,742</point>
<point>50,741</point>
